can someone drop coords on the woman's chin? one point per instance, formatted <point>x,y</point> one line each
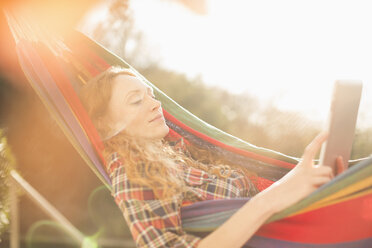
<point>165,131</point>
<point>158,132</point>
<point>161,129</point>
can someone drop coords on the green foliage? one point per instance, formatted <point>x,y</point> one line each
<point>6,164</point>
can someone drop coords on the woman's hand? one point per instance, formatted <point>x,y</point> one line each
<point>303,179</point>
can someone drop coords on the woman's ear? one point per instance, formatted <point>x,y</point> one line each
<point>108,128</point>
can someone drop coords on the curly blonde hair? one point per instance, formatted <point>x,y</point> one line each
<point>145,162</point>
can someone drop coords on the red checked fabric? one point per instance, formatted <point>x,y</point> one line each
<point>157,223</point>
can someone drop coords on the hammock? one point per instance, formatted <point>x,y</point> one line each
<point>338,214</point>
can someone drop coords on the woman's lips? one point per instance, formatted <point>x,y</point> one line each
<point>159,116</point>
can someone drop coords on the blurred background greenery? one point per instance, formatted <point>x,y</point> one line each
<point>61,175</point>
<point>241,114</point>
<point>6,164</point>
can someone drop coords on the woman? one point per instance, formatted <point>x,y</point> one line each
<point>152,178</point>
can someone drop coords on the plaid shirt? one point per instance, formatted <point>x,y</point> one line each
<point>157,223</point>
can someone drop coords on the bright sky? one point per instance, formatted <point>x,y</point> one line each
<point>289,52</point>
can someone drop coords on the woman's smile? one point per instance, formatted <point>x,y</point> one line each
<point>158,118</point>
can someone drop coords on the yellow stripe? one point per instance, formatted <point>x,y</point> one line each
<point>340,196</point>
<point>350,197</point>
<point>363,184</point>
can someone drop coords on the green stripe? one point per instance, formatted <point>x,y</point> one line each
<point>354,174</point>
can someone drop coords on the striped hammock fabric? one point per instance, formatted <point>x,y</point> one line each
<point>338,214</point>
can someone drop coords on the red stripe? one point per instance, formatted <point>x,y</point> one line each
<point>342,222</point>
<point>80,56</point>
<point>98,60</point>
<point>69,94</point>
<point>249,154</point>
<point>260,182</point>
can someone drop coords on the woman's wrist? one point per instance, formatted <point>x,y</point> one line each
<point>267,201</point>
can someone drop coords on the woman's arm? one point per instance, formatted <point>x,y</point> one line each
<point>300,182</point>
<point>241,226</point>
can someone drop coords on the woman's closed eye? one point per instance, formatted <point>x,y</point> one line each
<point>137,102</point>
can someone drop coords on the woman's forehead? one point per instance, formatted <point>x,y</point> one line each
<point>127,83</point>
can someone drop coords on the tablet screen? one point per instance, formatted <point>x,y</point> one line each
<point>341,122</point>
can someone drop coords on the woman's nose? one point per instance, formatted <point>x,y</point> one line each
<point>155,104</point>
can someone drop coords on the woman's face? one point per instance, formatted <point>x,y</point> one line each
<point>134,109</point>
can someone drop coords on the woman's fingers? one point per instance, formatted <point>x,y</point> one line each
<point>323,171</point>
<point>319,181</point>
<point>314,147</point>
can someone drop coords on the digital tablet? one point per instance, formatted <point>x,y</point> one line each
<point>341,122</point>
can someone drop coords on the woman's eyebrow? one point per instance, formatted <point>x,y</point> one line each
<point>132,92</point>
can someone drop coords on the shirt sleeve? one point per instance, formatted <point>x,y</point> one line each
<point>152,222</point>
